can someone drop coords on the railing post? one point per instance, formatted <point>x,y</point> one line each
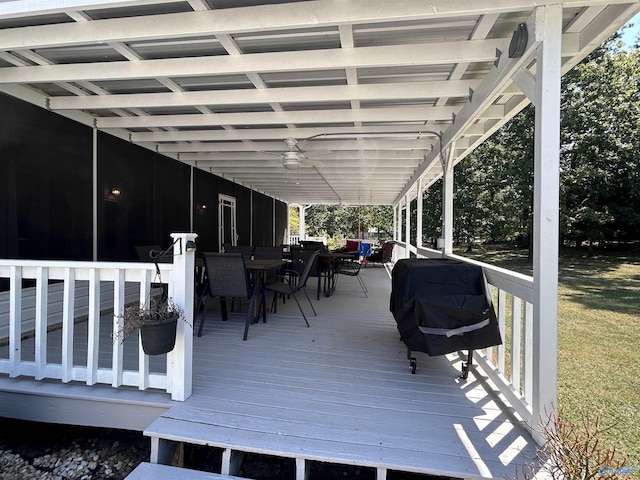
<point>180,366</point>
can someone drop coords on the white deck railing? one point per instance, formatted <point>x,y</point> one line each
<point>510,365</point>
<point>93,287</point>
<point>60,293</point>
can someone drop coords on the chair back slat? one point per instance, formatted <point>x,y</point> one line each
<point>226,274</point>
<point>308,268</point>
<point>300,257</point>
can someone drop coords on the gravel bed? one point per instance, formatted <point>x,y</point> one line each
<point>32,450</point>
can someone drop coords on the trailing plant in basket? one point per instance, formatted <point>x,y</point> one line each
<point>158,318</point>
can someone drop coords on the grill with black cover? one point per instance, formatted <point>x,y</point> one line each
<point>442,306</point>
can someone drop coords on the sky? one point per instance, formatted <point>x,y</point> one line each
<point>631,34</point>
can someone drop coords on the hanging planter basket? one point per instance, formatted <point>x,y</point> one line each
<point>157,323</point>
<point>160,337</point>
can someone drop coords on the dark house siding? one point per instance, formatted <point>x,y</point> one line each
<point>282,221</point>
<point>45,184</point>
<point>263,215</point>
<point>205,210</point>
<point>46,193</point>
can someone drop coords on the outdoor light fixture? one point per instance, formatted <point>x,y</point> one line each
<point>201,209</point>
<point>115,191</point>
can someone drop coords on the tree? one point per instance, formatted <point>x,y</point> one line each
<point>339,221</point>
<point>493,186</point>
<point>432,214</point>
<point>600,173</point>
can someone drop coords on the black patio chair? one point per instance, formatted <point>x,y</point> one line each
<point>351,268</point>
<point>291,284</point>
<point>226,277</point>
<point>300,257</point>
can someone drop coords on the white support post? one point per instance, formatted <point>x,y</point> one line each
<point>447,202</point>
<point>301,229</point>
<point>396,234</point>
<point>94,182</point>
<point>395,222</point>
<point>191,194</point>
<point>548,21</point>
<point>181,358</point>
<point>419,216</point>
<point>408,225</point>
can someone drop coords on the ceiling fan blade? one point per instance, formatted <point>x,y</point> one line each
<point>275,154</point>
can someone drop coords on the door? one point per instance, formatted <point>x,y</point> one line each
<point>227,221</point>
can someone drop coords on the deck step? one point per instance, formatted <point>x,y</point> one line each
<point>155,471</point>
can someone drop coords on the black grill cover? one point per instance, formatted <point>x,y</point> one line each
<point>441,306</point>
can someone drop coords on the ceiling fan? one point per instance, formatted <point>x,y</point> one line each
<point>292,159</point>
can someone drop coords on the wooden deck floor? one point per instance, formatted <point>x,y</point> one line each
<point>341,392</point>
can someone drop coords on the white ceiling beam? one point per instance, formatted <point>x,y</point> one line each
<point>310,146</point>
<point>292,61</point>
<point>230,21</point>
<point>307,174</point>
<point>404,114</point>
<point>289,95</point>
<point>390,155</point>
<point>386,131</point>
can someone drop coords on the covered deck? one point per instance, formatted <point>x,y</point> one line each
<point>339,392</point>
<point>302,102</point>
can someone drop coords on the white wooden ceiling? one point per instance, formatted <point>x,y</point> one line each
<point>367,87</point>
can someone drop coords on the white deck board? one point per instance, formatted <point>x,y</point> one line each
<point>341,391</point>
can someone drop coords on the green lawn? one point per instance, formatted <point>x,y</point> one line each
<point>598,337</point>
